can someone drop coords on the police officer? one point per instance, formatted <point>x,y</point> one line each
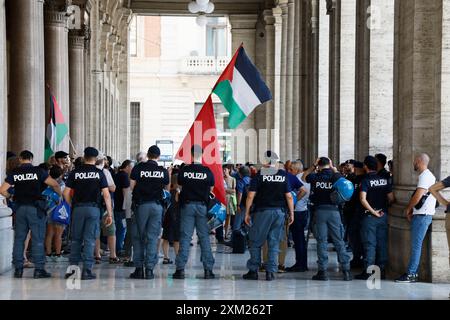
<point>148,180</point>
<point>89,185</point>
<point>196,182</point>
<point>381,167</point>
<point>269,191</point>
<point>375,196</point>
<point>327,218</point>
<point>27,181</point>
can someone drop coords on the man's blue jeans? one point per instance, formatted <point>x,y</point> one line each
<point>121,229</point>
<point>146,231</point>
<point>267,225</point>
<point>193,215</point>
<point>27,219</point>
<point>298,235</point>
<point>85,229</point>
<point>327,221</point>
<point>374,235</point>
<point>419,228</point>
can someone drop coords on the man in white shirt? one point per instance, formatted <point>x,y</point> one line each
<point>419,212</point>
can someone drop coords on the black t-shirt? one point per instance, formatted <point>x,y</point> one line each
<point>321,187</point>
<point>270,189</point>
<point>446,182</point>
<point>87,181</point>
<point>150,181</point>
<point>386,175</point>
<point>122,181</point>
<point>27,181</point>
<point>196,181</point>
<point>377,189</point>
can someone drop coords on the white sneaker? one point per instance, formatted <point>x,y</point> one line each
<point>59,259</point>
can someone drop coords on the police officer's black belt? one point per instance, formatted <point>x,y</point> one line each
<point>150,201</point>
<point>86,204</point>
<point>194,202</point>
<point>326,206</point>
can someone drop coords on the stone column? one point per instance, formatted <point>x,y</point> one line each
<point>26,118</point>
<point>296,119</point>
<point>77,96</point>
<point>6,232</point>
<point>243,30</point>
<point>289,78</point>
<point>347,83</point>
<point>283,77</point>
<point>323,65</point>
<point>57,64</point>
<point>334,99</point>
<point>421,124</point>
<point>270,73</point>
<point>276,142</point>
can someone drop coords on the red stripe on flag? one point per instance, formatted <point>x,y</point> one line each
<point>59,118</point>
<point>204,132</point>
<point>229,70</point>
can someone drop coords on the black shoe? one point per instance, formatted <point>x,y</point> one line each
<point>137,274</point>
<point>347,275</point>
<point>251,275</point>
<point>294,268</point>
<point>407,278</point>
<point>41,274</point>
<point>179,274</point>
<point>128,264</point>
<point>321,276</point>
<point>149,274</point>
<point>18,273</point>
<point>87,274</point>
<point>270,276</point>
<point>356,264</point>
<point>362,276</point>
<point>209,274</point>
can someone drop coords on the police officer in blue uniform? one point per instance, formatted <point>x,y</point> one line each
<point>327,218</point>
<point>375,196</point>
<point>270,192</point>
<point>89,185</point>
<point>27,181</point>
<point>148,180</point>
<point>196,182</point>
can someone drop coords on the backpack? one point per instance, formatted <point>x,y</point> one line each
<point>343,189</point>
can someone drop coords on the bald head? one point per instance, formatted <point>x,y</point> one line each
<point>421,162</point>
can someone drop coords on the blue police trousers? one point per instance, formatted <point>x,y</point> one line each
<point>267,225</point>
<point>85,229</point>
<point>327,221</point>
<point>374,235</point>
<point>146,230</point>
<point>27,219</point>
<point>193,215</point>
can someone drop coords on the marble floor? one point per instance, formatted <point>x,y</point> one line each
<point>112,283</point>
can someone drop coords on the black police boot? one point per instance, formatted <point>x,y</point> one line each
<point>321,276</point>
<point>347,275</point>
<point>87,274</point>
<point>138,273</point>
<point>41,274</point>
<point>363,276</point>
<point>18,273</point>
<point>149,274</point>
<point>270,276</point>
<point>209,274</point>
<point>251,275</point>
<point>179,274</point>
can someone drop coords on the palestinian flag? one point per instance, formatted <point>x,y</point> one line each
<point>56,129</point>
<point>241,88</point>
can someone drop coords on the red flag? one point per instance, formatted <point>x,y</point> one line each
<point>203,132</point>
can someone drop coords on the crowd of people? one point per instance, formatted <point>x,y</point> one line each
<point>133,210</point>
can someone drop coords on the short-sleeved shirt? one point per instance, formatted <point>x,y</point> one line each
<point>87,181</point>
<point>270,189</point>
<point>27,181</point>
<point>321,187</point>
<point>426,180</point>
<point>294,182</point>
<point>302,204</point>
<point>446,182</point>
<point>122,182</point>
<point>386,175</point>
<point>242,186</point>
<point>196,181</point>
<point>150,181</point>
<point>377,189</point>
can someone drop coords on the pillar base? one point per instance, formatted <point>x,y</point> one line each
<point>434,261</point>
<point>6,239</point>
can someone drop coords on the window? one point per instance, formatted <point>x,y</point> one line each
<point>133,37</point>
<point>135,127</point>
<point>216,37</point>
